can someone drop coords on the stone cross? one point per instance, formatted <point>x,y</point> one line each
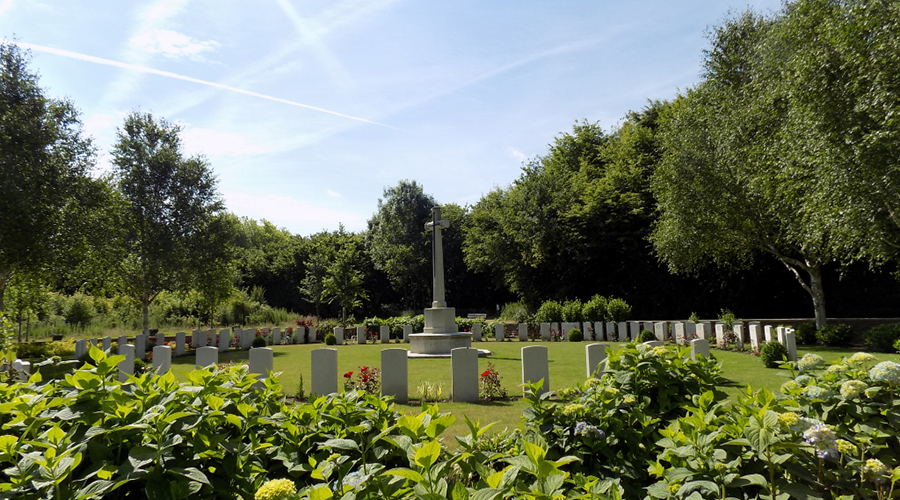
<point>436,225</point>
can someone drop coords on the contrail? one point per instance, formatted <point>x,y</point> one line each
<point>144,69</point>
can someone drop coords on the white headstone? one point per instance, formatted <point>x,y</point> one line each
<point>623,330</point>
<point>122,341</point>
<point>634,330</point>
<point>362,336</point>
<point>339,335</point>
<point>690,331</point>
<point>395,374</point>
<point>654,343</point>
<point>126,366</point>
<point>312,335</point>
<point>206,356</point>
<point>276,336</point>
<point>464,374</point>
<point>699,347</point>
<point>598,331</point>
<point>595,355</point>
<point>499,331</point>
<point>476,332</point>
<point>300,335</point>
<point>179,343</point>
<point>720,335</point>
<point>160,339</point>
<point>700,330</point>
<point>162,359</point>
<point>755,337</point>
<point>738,330</point>
<point>566,328</point>
<point>94,342</point>
<point>523,332</point>
<point>611,331</point>
<point>407,331</point>
<point>707,329</point>
<point>790,342</point>
<point>140,346</point>
<point>106,343</point>
<point>262,362</point>
<point>224,340</point>
<point>195,339</point>
<point>23,369</point>
<point>545,332</point>
<point>661,330</point>
<point>587,330</point>
<point>768,332</point>
<point>385,332</point>
<point>554,327</point>
<point>247,338</point>
<point>679,334</point>
<point>779,332</point>
<point>324,371</point>
<point>647,325</point>
<point>536,366</point>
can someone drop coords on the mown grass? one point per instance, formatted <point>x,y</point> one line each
<point>567,368</point>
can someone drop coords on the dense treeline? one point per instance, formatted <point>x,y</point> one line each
<point>779,168</point>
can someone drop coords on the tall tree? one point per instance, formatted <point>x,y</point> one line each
<point>729,186</point>
<point>398,242</point>
<point>165,224</point>
<point>44,163</point>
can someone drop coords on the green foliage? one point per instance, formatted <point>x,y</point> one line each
<point>727,317</point>
<point>516,312</point>
<point>618,310</point>
<point>550,311</point>
<point>79,311</point>
<point>772,354</point>
<point>806,333</point>
<point>694,318</point>
<point>330,339</point>
<point>34,351</point>
<point>575,335</point>
<point>572,311</point>
<point>489,385</point>
<point>897,345</point>
<point>258,341</point>
<point>835,335</point>
<point>883,337</point>
<point>595,309</point>
<point>646,336</point>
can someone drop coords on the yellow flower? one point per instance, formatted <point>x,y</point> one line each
<point>877,467</point>
<point>788,419</point>
<point>660,351</point>
<point>591,382</point>
<point>276,489</point>
<point>837,368</point>
<point>846,447</point>
<point>573,409</point>
<point>629,399</point>
<point>861,357</point>
<point>610,392</point>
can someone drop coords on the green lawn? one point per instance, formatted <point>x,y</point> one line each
<point>567,368</point>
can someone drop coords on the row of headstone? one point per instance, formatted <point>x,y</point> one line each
<point>22,369</point>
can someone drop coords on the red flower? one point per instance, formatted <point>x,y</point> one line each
<point>348,374</point>
<point>486,373</point>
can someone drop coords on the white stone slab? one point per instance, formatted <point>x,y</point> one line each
<point>276,336</point>
<point>566,328</point>
<point>300,335</point>
<point>708,330</point>
<point>595,357</point>
<point>140,346</point>
<point>599,334</point>
<point>395,374</point>
<point>106,343</point>
<point>738,330</point>
<point>407,331</point>
<point>536,366</point>
<point>523,332</point>
<point>499,332</point>
<point>476,332</point>
<point>588,331</point>
<point>779,332</point>
<point>700,330</point>
<point>362,337</point>
<point>160,339</point>
<point>162,359</point>
<point>790,342</point>
<point>120,342</point>
<point>622,331</point>
<point>262,362</point>
<point>338,335</point>
<point>180,338</point>
<point>720,335</point>
<point>126,366</point>
<point>611,331</point>
<point>312,335</point>
<point>699,347</point>
<point>768,330</point>
<point>464,375</point>
<point>654,343</point>
<point>385,332</point>
<point>206,356</point>
<point>22,369</point>
<point>678,333</point>
<point>323,363</point>
<point>755,337</point>
<point>554,327</point>
<point>247,338</point>
<point>634,330</point>
<point>195,339</point>
<point>661,330</point>
<point>224,340</point>
<point>690,331</point>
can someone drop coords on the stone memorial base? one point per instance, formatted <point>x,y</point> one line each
<point>439,345</point>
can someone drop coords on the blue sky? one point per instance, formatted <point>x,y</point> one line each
<point>306,111</point>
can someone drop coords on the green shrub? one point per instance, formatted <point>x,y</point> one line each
<point>515,311</point>
<point>572,311</point>
<point>63,349</point>
<point>617,310</point>
<point>835,335</point>
<point>258,341</point>
<point>772,353</point>
<point>647,336</point>
<point>575,335</point>
<point>883,337</point>
<point>550,311</point>
<point>79,311</point>
<point>806,333</point>
<point>330,339</point>
<point>897,345</point>
<point>595,309</point>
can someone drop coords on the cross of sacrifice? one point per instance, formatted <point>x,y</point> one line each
<point>436,225</point>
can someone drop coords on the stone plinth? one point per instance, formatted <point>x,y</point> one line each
<point>438,343</point>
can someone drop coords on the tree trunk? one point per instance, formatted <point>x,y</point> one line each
<point>145,313</point>
<point>818,295</point>
<point>4,279</point>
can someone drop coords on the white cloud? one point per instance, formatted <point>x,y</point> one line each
<point>171,44</point>
<point>4,5</point>
<point>334,194</point>
<point>298,216</point>
<point>211,142</point>
<point>515,153</point>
